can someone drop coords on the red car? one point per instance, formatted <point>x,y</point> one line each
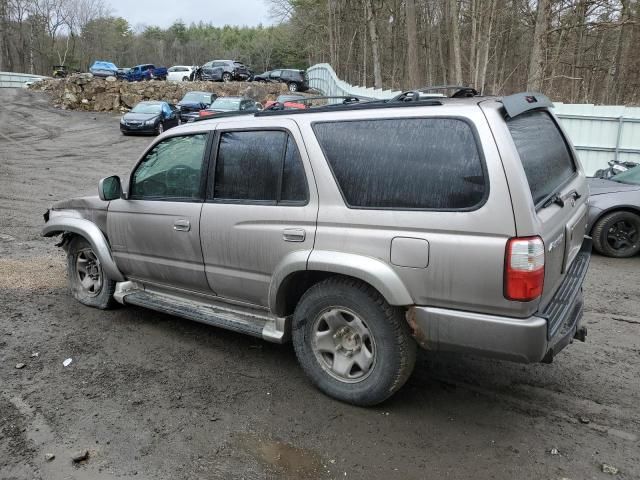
<point>290,102</point>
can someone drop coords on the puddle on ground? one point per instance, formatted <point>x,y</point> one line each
<point>282,458</point>
<point>32,273</point>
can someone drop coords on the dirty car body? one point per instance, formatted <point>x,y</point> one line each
<point>294,225</point>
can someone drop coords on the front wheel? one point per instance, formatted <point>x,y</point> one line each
<point>617,234</point>
<point>160,128</point>
<point>87,281</point>
<point>352,344</point>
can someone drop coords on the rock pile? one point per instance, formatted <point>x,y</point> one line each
<point>85,92</point>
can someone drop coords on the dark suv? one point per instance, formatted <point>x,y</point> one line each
<point>296,80</point>
<point>223,71</point>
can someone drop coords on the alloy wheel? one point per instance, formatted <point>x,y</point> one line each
<point>343,345</point>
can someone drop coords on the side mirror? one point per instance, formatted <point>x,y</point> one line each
<point>110,188</point>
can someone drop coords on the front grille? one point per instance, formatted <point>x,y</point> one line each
<point>562,306</point>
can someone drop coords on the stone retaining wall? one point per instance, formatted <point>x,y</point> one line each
<point>86,92</point>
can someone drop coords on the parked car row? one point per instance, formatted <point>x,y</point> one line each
<point>215,70</point>
<point>154,117</point>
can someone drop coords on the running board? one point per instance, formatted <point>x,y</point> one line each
<point>238,319</point>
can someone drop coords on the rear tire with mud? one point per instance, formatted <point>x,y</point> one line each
<point>351,343</point>
<point>87,281</point>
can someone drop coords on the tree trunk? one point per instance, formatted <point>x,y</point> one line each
<point>373,33</point>
<point>487,24</point>
<point>455,62</point>
<point>535,76</point>
<point>412,45</point>
<point>618,88</point>
<point>3,33</point>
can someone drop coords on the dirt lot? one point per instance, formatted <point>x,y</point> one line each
<point>152,396</point>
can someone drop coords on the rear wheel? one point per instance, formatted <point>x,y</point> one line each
<point>617,234</point>
<point>226,77</point>
<point>293,87</point>
<point>87,281</point>
<point>352,344</point>
<point>185,79</point>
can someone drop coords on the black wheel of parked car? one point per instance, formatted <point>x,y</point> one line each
<point>226,77</point>
<point>293,86</point>
<point>351,343</point>
<point>160,128</point>
<point>87,281</point>
<point>617,234</point>
<point>185,79</point>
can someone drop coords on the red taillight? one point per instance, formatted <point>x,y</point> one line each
<point>524,269</point>
<point>205,113</point>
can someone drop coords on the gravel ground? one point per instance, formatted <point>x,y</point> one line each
<point>152,396</point>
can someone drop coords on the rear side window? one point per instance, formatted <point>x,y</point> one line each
<point>411,163</point>
<point>259,166</point>
<point>543,152</point>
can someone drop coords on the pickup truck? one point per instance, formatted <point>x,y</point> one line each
<point>146,72</point>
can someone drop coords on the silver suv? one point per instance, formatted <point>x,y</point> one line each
<point>358,231</point>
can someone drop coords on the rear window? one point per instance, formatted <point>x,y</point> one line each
<point>543,152</point>
<point>411,163</point>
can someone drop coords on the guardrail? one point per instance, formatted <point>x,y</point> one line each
<point>17,80</point>
<point>598,133</point>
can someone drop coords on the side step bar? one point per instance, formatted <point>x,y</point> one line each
<point>238,319</point>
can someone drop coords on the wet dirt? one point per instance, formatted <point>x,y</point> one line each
<point>152,396</point>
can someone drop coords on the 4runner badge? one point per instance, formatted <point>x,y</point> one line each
<point>553,245</point>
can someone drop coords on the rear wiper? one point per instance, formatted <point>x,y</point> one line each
<point>555,198</point>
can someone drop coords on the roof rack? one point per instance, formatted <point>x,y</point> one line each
<point>461,91</point>
<point>349,103</point>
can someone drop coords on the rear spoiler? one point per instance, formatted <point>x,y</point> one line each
<point>519,103</point>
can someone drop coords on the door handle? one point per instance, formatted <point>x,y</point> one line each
<point>294,235</point>
<point>182,225</point>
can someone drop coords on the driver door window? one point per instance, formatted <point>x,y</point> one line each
<point>172,170</point>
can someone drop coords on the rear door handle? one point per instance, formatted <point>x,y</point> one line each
<point>294,235</point>
<point>182,225</point>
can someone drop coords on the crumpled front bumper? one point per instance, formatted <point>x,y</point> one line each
<point>535,339</point>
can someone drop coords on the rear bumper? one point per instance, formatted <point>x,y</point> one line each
<point>534,339</point>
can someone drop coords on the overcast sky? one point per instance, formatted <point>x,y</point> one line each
<point>218,12</point>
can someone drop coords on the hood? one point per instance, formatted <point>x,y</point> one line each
<point>139,117</point>
<point>92,202</point>
<point>600,186</point>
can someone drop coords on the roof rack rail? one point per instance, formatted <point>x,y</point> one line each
<point>461,91</point>
<point>346,100</point>
<point>223,115</point>
<point>352,106</point>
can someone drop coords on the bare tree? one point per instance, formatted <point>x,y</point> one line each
<point>373,34</point>
<point>413,62</point>
<point>536,60</point>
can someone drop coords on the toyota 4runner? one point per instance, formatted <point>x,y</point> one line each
<point>358,231</point>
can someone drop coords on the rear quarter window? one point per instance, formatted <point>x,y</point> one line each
<point>543,151</point>
<point>409,163</point>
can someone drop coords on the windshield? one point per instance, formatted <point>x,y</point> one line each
<point>225,104</point>
<point>193,97</point>
<point>631,176</point>
<point>147,108</point>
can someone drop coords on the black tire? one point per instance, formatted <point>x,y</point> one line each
<point>293,87</point>
<point>617,234</point>
<point>185,79</point>
<point>394,350</point>
<point>102,297</point>
<point>227,77</point>
<point>160,128</point>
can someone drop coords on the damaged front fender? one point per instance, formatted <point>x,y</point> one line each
<point>67,222</point>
